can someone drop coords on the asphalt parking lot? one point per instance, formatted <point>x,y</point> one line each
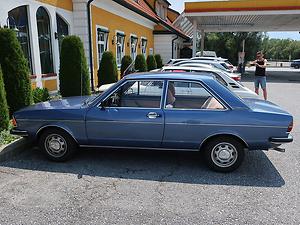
<point>144,187</point>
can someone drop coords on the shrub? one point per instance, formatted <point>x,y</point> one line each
<point>73,72</point>
<point>140,63</point>
<point>40,95</point>
<point>15,71</point>
<point>158,60</point>
<point>151,63</point>
<point>4,117</point>
<point>108,70</point>
<point>126,61</point>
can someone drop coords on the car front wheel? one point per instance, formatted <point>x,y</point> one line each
<point>57,145</point>
<point>224,154</point>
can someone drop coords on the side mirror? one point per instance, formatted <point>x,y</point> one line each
<point>103,105</point>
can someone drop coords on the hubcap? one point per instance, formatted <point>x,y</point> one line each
<point>224,154</point>
<point>55,145</point>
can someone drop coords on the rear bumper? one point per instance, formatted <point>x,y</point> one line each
<point>280,140</point>
<point>22,133</point>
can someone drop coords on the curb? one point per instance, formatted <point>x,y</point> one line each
<point>18,146</point>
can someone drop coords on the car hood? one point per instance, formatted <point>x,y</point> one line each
<point>65,103</point>
<point>259,105</point>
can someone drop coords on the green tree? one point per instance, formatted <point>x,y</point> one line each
<point>108,70</point>
<point>140,63</point>
<point>73,72</point>
<point>15,71</point>
<point>4,116</point>
<point>151,63</point>
<point>228,44</point>
<point>159,61</point>
<point>126,61</point>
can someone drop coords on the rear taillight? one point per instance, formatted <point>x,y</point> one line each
<point>290,127</point>
<point>14,122</point>
<point>237,78</point>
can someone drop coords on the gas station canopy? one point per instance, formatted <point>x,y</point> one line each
<point>240,16</point>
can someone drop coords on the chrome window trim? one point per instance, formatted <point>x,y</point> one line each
<point>136,80</point>
<point>199,82</point>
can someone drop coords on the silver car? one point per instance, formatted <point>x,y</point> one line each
<point>223,77</point>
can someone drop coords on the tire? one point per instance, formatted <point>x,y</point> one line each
<point>57,145</point>
<point>224,154</point>
<point>297,67</point>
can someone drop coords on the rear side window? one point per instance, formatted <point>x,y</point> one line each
<point>190,95</point>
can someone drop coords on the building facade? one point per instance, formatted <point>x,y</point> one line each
<point>125,27</point>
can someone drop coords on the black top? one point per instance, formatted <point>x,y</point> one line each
<point>260,71</point>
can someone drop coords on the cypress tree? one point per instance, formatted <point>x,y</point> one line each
<point>15,71</point>
<point>4,117</point>
<point>151,63</point>
<point>126,61</point>
<point>73,72</point>
<point>158,60</point>
<point>108,70</point>
<point>140,63</point>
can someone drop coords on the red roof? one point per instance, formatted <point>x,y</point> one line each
<point>144,9</point>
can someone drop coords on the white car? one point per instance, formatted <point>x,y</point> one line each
<point>235,76</point>
<point>216,64</point>
<point>221,76</point>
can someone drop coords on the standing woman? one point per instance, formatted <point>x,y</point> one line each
<point>260,74</point>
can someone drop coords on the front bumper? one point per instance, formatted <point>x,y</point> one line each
<point>280,140</point>
<point>22,133</point>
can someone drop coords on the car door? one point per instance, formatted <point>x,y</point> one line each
<point>193,116</point>
<point>131,116</point>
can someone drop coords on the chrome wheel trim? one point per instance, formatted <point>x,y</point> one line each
<point>224,154</point>
<point>55,145</point>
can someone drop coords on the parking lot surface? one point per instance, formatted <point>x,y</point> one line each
<point>102,186</point>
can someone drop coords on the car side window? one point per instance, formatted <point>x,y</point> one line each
<point>137,94</point>
<point>190,95</point>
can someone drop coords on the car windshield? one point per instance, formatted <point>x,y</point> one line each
<point>90,99</point>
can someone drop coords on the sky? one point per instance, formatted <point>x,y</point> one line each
<point>178,5</point>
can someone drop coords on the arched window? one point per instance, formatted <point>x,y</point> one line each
<point>62,29</point>
<point>18,20</point>
<point>44,35</point>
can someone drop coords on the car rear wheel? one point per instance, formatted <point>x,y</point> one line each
<point>224,154</point>
<point>296,67</point>
<point>57,145</point>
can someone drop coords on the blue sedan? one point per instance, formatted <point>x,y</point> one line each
<point>191,112</point>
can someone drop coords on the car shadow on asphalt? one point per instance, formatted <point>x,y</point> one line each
<point>163,166</point>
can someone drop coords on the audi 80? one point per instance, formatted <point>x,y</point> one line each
<point>159,111</point>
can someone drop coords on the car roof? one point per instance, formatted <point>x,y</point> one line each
<point>209,58</point>
<point>204,69</point>
<point>202,61</point>
<point>171,75</point>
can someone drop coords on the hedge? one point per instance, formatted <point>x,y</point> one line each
<point>159,61</point>
<point>108,70</point>
<point>4,116</point>
<point>73,72</point>
<point>151,63</point>
<point>15,71</point>
<point>126,61</point>
<point>140,63</point>
<point>40,95</point>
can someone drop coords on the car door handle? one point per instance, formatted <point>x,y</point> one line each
<point>153,115</point>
